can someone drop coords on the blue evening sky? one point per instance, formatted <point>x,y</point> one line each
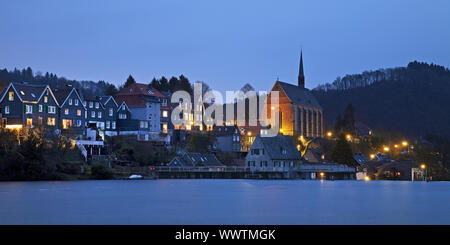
<point>223,43</point>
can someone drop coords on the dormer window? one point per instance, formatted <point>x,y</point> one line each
<point>11,96</point>
<point>22,93</point>
<point>33,95</point>
<point>150,92</point>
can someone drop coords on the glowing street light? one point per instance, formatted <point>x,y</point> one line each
<point>396,146</point>
<point>423,166</point>
<point>366,178</point>
<point>386,149</point>
<point>322,174</point>
<point>329,134</point>
<point>372,156</point>
<point>404,143</point>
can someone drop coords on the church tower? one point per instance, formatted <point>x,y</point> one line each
<point>301,75</point>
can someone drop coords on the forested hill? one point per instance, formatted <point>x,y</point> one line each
<point>88,88</point>
<point>414,100</point>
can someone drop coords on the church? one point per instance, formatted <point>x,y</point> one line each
<point>299,112</point>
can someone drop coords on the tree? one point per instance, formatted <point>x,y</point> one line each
<point>130,81</point>
<point>342,152</point>
<point>111,90</point>
<point>200,143</point>
<point>349,119</point>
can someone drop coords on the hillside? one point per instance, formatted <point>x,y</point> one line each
<point>413,100</point>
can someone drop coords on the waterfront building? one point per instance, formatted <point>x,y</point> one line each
<point>110,114</point>
<point>299,112</point>
<point>144,103</point>
<point>195,159</point>
<point>72,112</point>
<point>227,139</point>
<point>29,105</point>
<point>277,153</point>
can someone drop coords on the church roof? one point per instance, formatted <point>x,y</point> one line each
<point>299,95</point>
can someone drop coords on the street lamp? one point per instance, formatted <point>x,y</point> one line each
<point>329,134</point>
<point>386,149</point>
<point>404,143</point>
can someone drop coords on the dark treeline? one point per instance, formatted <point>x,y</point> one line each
<point>414,72</point>
<point>412,100</point>
<point>88,88</point>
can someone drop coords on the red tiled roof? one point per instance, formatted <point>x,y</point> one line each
<point>141,89</point>
<point>130,100</point>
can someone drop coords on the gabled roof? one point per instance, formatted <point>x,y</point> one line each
<point>141,89</point>
<point>6,89</point>
<point>105,99</point>
<point>123,103</point>
<point>274,146</point>
<point>225,130</point>
<point>360,158</point>
<point>298,95</point>
<point>26,92</point>
<point>193,159</point>
<point>63,94</point>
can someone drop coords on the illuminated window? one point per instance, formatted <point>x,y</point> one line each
<point>11,96</point>
<point>66,123</point>
<point>66,111</point>
<point>78,112</point>
<point>165,127</point>
<point>51,121</point>
<point>29,122</point>
<point>164,113</point>
<point>45,99</point>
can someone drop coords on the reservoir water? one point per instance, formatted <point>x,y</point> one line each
<point>201,201</point>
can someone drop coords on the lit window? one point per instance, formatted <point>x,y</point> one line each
<point>45,99</point>
<point>11,96</point>
<point>66,123</point>
<point>164,113</point>
<point>78,112</point>
<point>29,122</point>
<point>22,93</point>
<point>66,111</point>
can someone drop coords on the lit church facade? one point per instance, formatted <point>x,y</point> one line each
<point>299,112</point>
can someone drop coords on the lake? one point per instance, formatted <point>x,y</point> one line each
<point>203,201</point>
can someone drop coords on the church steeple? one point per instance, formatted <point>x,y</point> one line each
<point>301,75</point>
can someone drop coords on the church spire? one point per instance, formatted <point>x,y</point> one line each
<point>301,75</point>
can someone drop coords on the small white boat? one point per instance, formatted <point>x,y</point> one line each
<point>135,176</point>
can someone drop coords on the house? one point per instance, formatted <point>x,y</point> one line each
<point>29,105</point>
<point>110,114</point>
<point>72,112</point>
<point>314,155</point>
<point>195,159</point>
<point>277,153</point>
<point>144,103</point>
<point>95,113</point>
<point>299,112</point>
<point>227,139</point>
<point>125,124</point>
<point>359,159</point>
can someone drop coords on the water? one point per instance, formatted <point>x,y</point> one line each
<point>224,202</point>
